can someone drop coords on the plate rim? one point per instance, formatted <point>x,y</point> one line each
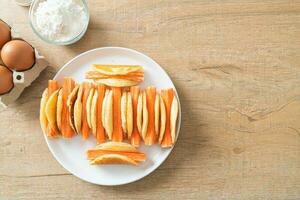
<point>179,119</point>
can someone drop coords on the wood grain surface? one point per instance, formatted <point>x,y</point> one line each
<point>236,66</point>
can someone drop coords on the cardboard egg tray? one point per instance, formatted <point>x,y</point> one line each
<point>22,79</point>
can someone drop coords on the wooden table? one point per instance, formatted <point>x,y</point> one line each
<point>236,66</point>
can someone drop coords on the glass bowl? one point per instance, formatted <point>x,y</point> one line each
<point>72,40</point>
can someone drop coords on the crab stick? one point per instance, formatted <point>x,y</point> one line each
<point>137,156</point>
<point>117,134</point>
<point>85,130</point>
<point>167,96</point>
<point>151,134</point>
<point>66,129</point>
<point>135,136</point>
<point>100,133</point>
<point>52,87</point>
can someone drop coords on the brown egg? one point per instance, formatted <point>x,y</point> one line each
<point>18,55</point>
<point>4,33</point>
<point>6,80</point>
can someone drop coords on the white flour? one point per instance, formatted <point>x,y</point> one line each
<point>60,20</point>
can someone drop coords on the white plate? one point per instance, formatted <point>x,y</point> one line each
<point>71,154</point>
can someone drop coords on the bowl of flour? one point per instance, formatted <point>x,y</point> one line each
<point>60,22</point>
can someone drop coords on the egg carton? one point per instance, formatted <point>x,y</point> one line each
<point>22,79</point>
